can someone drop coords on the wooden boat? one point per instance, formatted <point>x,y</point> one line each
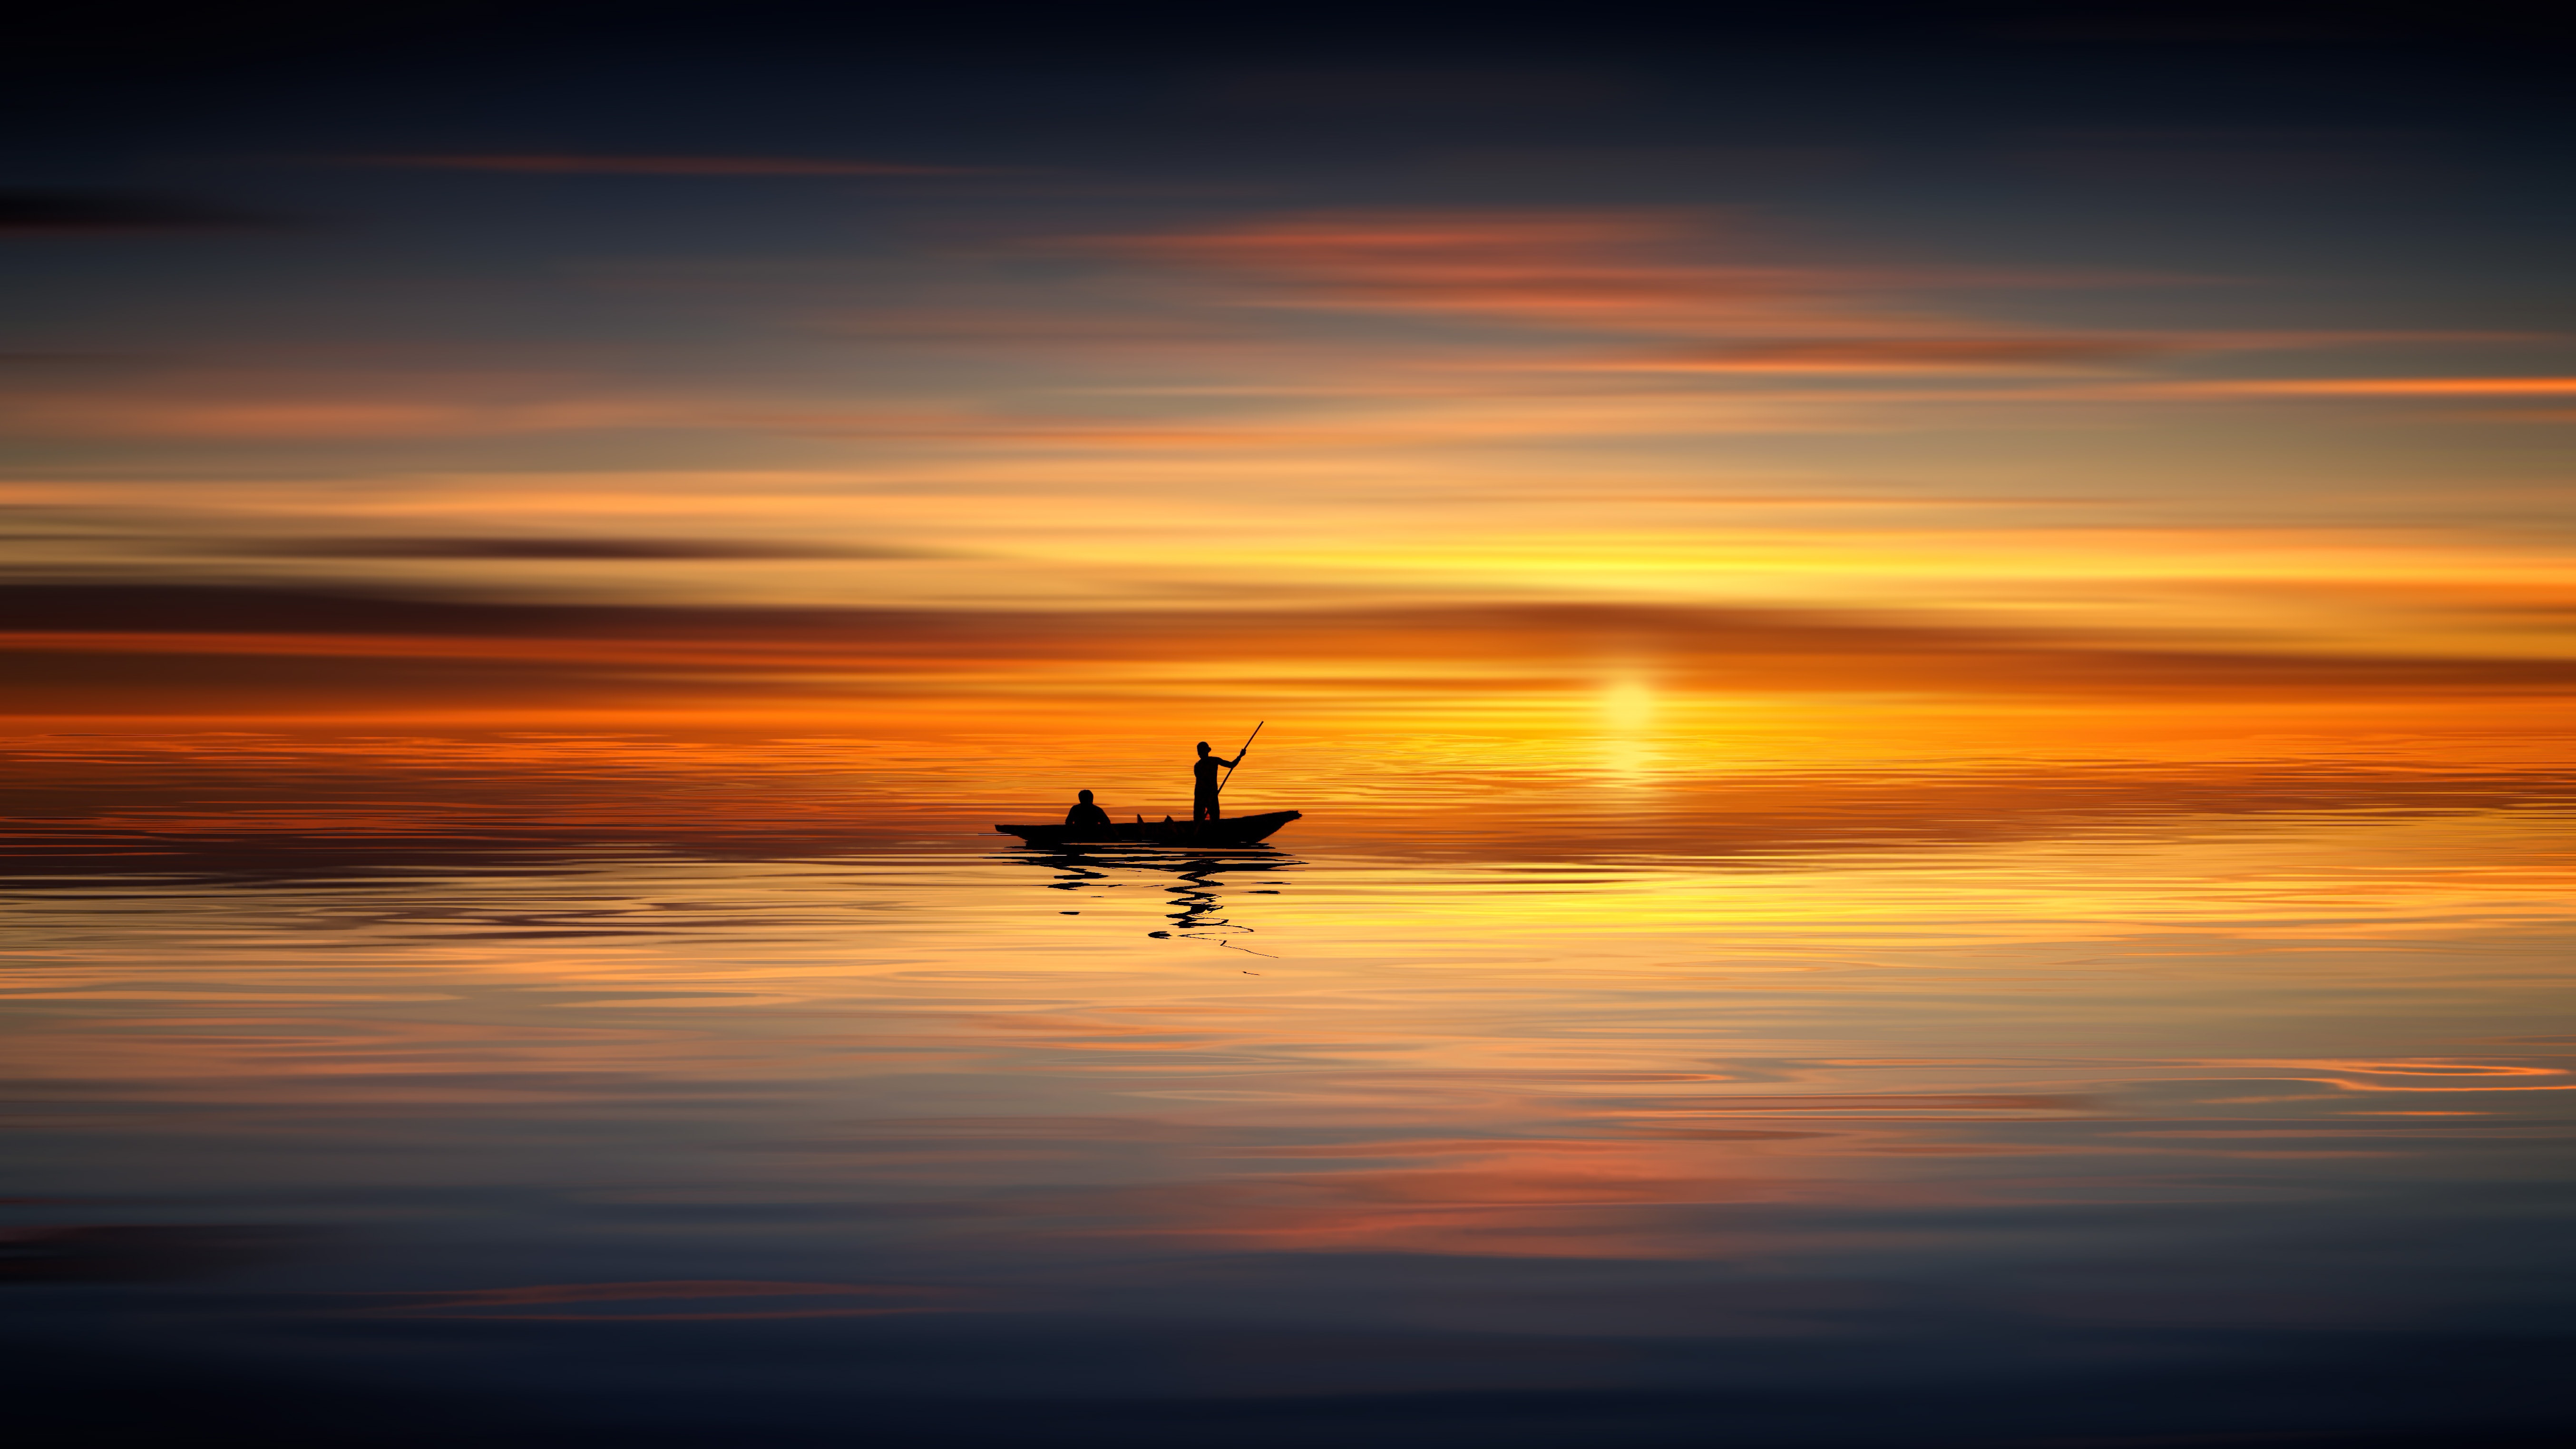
<point>1232,830</point>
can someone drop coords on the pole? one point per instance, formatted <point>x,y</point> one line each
<point>1238,756</point>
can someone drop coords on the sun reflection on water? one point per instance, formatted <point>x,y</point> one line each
<point>1798,1061</point>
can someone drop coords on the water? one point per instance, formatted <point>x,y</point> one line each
<point>530,1086</point>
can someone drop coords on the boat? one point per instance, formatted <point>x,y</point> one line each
<point>1232,830</point>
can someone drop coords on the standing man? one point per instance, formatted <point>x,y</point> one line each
<point>1203,804</point>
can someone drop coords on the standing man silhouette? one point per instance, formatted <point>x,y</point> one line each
<point>1203,802</point>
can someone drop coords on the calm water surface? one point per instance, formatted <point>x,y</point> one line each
<point>410,1091</point>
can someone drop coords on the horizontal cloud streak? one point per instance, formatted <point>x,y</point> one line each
<point>59,213</point>
<point>1902,355</point>
<point>559,549</point>
<point>1618,271</point>
<point>171,648</point>
<point>568,164</point>
<point>2376,387</point>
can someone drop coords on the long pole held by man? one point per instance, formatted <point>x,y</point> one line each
<point>1209,785</point>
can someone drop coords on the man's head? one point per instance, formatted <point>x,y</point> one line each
<point>1086,796</point>
<point>1203,749</point>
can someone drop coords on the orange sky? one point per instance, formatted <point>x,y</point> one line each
<point>849,429</point>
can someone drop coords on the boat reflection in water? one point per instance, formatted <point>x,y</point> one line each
<point>1203,873</point>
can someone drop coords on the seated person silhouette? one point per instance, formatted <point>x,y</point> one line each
<point>1088,818</point>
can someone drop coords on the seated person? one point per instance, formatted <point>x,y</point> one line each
<point>1088,816</point>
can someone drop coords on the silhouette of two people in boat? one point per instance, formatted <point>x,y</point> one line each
<point>1204,802</point>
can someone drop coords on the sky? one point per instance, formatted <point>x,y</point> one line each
<point>2105,368</point>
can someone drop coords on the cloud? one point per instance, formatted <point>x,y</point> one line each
<point>2001,353</point>
<point>1440,91</point>
<point>1619,271</point>
<point>1639,274</point>
<point>858,1299</point>
<point>569,164</point>
<point>77,213</point>
<point>188,644</point>
<point>565,549</point>
<point>382,406</point>
<point>2373,387</point>
<point>1654,275</point>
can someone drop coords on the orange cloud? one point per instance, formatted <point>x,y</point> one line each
<point>381,408</point>
<point>2375,387</point>
<point>1899,355</point>
<point>1657,274</point>
<point>1614,270</point>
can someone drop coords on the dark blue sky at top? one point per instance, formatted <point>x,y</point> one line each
<point>2435,109</point>
<point>2387,166</point>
